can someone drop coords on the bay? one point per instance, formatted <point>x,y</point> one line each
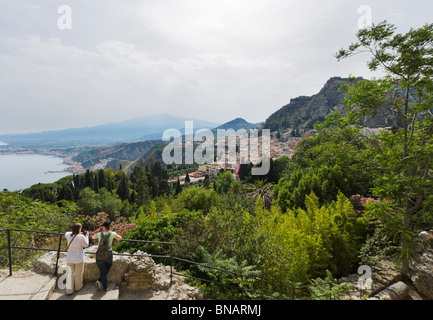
<point>18,171</point>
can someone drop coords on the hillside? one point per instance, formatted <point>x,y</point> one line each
<point>304,112</point>
<point>125,151</point>
<point>131,154</point>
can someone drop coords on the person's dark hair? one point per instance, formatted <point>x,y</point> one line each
<point>76,228</point>
<point>106,224</point>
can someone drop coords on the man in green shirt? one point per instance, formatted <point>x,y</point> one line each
<point>105,240</point>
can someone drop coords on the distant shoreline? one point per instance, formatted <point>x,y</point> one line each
<point>73,167</point>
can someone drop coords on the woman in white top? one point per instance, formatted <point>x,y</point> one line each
<point>75,258</point>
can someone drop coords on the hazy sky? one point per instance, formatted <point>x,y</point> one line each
<point>208,59</point>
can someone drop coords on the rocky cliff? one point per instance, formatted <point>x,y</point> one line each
<point>304,112</point>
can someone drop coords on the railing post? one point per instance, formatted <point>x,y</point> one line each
<point>58,254</point>
<point>8,231</point>
<point>171,265</point>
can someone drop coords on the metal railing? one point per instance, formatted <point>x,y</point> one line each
<point>292,289</point>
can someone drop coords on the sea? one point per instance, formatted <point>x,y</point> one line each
<point>20,171</point>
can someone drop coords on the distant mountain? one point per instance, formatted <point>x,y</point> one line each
<point>140,129</point>
<point>131,154</point>
<point>304,112</point>
<point>237,124</point>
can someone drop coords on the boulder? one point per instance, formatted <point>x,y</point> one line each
<point>421,273</point>
<point>396,291</point>
<point>383,275</point>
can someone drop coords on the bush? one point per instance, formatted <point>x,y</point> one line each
<point>91,203</point>
<point>378,247</point>
<point>159,229</point>
<point>198,199</point>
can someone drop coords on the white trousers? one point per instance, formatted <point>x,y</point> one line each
<point>74,277</point>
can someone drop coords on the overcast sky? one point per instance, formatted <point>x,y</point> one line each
<point>207,59</point>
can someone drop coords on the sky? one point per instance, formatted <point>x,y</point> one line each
<point>69,64</point>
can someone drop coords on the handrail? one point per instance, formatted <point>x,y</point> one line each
<point>171,257</point>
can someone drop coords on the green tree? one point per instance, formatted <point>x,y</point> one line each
<point>405,95</point>
<point>102,180</point>
<point>223,182</point>
<point>88,179</point>
<point>198,199</point>
<point>142,189</point>
<point>91,203</point>
<point>123,189</point>
<point>335,160</point>
<point>261,189</point>
<point>178,187</point>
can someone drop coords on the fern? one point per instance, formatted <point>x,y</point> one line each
<point>229,272</point>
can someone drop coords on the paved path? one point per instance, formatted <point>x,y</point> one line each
<point>28,285</point>
<point>25,285</point>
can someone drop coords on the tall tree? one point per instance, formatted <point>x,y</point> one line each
<point>404,95</point>
<point>102,179</point>
<point>88,179</point>
<point>123,189</point>
<point>178,187</point>
<point>142,189</point>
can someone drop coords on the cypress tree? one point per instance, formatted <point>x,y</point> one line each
<point>88,181</point>
<point>142,190</point>
<point>178,188</point>
<point>123,190</point>
<point>101,179</point>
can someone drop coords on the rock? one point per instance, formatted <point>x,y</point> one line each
<point>421,273</point>
<point>397,291</point>
<point>384,274</point>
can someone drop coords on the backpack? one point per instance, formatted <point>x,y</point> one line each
<point>103,252</point>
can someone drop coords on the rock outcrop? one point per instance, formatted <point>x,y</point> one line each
<point>421,272</point>
<point>388,280</point>
<point>135,275</point>
<point>396,291</point>
<point>383,275</point>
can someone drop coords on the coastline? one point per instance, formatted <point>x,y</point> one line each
<point>73,167</point>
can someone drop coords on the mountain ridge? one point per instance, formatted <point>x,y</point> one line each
<point>304,111</point>
<point>138,129</point>
<point>135,152</point>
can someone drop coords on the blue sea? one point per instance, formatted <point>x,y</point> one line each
<point>18,172</point>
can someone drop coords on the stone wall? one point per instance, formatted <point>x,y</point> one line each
<point>132,274</point>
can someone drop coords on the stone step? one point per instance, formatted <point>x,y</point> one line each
<point>90,291</point>
<point>25,285</point>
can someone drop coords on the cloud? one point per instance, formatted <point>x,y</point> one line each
<point>214,60</point>
<point>69,85</point>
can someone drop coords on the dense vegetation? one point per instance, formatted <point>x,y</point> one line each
<point>341,201</point>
